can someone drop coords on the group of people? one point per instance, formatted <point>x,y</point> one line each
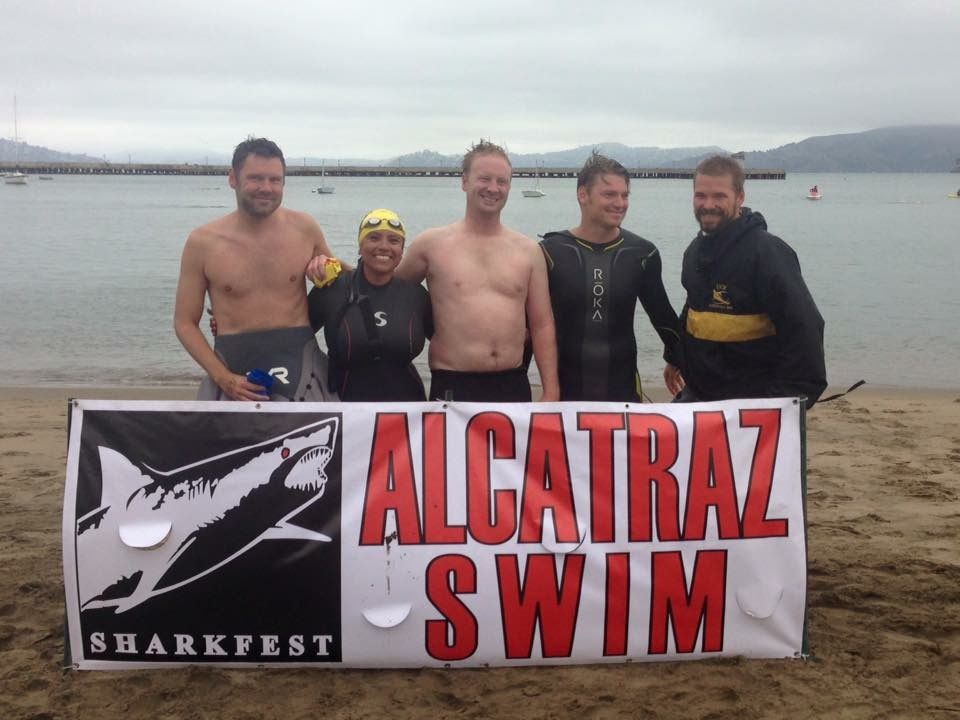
<point>494,298</point>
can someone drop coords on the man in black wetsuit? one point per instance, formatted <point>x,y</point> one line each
<point>597,273</point>
<point>750,327</point>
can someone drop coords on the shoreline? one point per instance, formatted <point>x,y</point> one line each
<point>896,396</point>
<point>188,392</point>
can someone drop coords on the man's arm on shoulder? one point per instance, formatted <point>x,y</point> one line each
<point>314,233</point>
<point>187,313</point>
<point>414,264</point>
<point>542,330</point>
<point>320,253</point>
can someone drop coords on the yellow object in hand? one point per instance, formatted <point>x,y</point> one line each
<point>331,271</point>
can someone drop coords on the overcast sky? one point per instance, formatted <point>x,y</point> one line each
<point>376,79</point>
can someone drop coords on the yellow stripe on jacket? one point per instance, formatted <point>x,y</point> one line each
<point>725,327</point>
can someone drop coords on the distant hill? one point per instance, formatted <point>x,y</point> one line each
<point>11,151</point>
<point>913,148</point>
<point>629,156</point>
<point>908,148</point>
<point>423,158</point>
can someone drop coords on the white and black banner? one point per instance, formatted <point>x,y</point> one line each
<point>432,534</point>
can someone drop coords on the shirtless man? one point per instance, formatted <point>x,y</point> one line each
<point>488,285</point>
<point>251,263</point>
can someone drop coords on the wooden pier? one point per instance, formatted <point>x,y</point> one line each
<point>105,168</point>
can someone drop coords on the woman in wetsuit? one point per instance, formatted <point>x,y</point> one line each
<point>374,323</point>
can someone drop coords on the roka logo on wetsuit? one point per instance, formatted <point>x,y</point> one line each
<point>598,293</point>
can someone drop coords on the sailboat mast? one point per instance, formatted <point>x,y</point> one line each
<point>16,177</point>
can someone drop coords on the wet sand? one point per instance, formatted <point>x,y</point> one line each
<point>884,595</point>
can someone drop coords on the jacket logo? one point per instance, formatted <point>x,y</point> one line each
<point>721,300</point>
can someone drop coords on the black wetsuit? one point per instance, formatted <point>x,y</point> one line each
<point>750,327</point>
<point>373,333</point>
<point>594,291</point>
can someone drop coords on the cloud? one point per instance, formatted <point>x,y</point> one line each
<point>376,79</point>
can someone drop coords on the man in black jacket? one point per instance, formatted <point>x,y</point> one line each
<point>750,327</point>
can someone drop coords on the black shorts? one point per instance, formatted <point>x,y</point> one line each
<point>502,386</point>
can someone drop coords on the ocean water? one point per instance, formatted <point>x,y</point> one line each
<point>89,264</point>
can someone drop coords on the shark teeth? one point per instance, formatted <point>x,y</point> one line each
<point>308,473</point>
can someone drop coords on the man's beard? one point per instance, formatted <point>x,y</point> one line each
<point>723,219</point>
<point>251,207</point>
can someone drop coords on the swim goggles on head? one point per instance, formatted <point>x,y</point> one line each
<point>375,222</point>
<point>380,219</point>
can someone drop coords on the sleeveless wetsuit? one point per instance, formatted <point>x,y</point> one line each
<point>594,291</point>
<point>373,332</point>
<point>290,355</point>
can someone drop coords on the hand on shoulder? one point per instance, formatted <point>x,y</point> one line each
<point>323,270</point>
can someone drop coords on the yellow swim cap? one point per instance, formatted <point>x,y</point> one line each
<point>380,219</point>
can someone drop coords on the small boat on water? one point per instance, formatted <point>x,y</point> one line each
<point>45,177</point>
<point>814,193</point>
<point>536,192</point>
<point>16,177</point>
<point>324,189</point>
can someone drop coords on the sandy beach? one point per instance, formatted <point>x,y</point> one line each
<point>884,596</point>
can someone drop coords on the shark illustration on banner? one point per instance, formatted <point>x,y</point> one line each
<point>179,525</point>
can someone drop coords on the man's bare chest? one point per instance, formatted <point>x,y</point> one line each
<point>235,268</point>
<point>501,273</point>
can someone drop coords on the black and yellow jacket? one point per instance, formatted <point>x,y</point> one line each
<point>750,327</point>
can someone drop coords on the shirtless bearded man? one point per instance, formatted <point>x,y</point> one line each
<point>251,263</point>
<point>488,285</point>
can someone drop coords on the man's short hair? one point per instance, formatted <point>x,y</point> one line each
<point>597,165</point>
<point>256,146</point>
<point>718,165</point>
<point>484,147</point>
